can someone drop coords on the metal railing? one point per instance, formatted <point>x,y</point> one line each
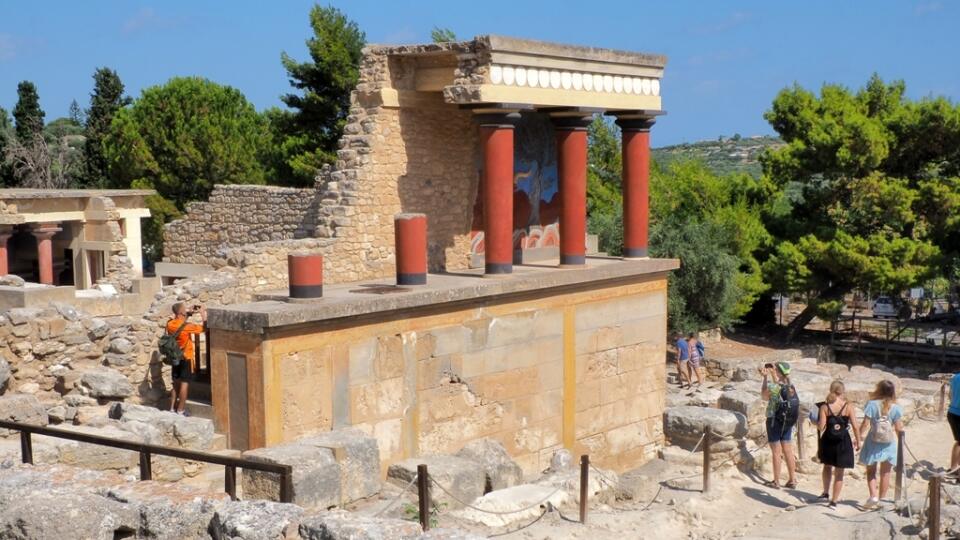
<point>147,451</point>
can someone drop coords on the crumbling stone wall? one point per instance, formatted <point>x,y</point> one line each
<point>240,214</point>
<point>418,155</point>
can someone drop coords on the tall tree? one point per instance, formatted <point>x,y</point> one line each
<point>325,83</point>
<point>852,213</point>
<point>6,136</point>
<point>75,113</point>
<point>27,114</point>
<point>442,35</point>
<point>106,99</point>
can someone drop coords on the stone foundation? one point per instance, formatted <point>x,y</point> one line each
<point>542,361</point>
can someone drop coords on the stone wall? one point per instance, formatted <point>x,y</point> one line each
<point>420,155</point>
<point>582,370</point>
<point>240,214</point>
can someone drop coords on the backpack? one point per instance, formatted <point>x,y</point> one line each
<point>836,426</point>
<point>789,408</point>
<point>169,348</point>
<point>700,348</point>
<point>883,432</point>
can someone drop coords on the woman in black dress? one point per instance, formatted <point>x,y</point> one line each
<point>835,450</point>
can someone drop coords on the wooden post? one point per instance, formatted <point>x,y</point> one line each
<point>206,350</point>
<point>943,398</point>
<point>423,495</point>
<point>706,458</point>
<point>898,487</point>
<point>146,472</point>
<point>584,486</point>
<point>800,423</point>
<point>26,447</point>
<point>230,481</point>
<point>286,485</point>
<point>934,516</point>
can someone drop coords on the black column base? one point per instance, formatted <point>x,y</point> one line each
<point>306,291</point>
<point>498,268</point>
<point>573,260</point>
<point>635,253</point>
<point>412,279</point>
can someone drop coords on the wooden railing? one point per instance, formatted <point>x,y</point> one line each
<point>146,452</point>
<point>201,350</point>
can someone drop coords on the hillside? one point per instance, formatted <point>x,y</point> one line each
<point>722,156</point>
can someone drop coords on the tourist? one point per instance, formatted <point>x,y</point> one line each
<point>183,372</point>
<point>695,350</point>
<point>783,409</point>
<point>683,356</point>
<point>953,417</point>
<point>882,417</point>
<point>834,447</point>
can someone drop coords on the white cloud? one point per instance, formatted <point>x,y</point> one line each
<point>140,20</point>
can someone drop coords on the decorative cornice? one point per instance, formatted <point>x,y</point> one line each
<point>532,77</point>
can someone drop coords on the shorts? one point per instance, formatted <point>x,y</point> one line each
<point>695,362</point>
<point>778,431</point>
<point>954,421</point>
<point>182,371</point>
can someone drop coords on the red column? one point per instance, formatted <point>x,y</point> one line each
<point>636,185</point>
<point>305,271</point>
<point>44,232</point>
<point>410,238</point>
<point>5,235</point>
<point>496,136</point>
<point>572,172</point>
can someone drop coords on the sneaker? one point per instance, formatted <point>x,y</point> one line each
<point>832,505</point>
<point>871,503</point>
<point>824,495</point>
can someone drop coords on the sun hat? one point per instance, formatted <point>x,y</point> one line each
<point>783,367</point>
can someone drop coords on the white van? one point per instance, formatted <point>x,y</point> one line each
<point>885,306</point>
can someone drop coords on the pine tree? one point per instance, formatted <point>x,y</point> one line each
<point>442,35</point>
<point>75,113</point>
<point>107,98</point>
<point>27,114</point>
<point>320,112</point>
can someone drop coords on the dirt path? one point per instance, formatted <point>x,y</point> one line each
<point>741,507</point>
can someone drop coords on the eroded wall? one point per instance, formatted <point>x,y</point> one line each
<point>583,370</point>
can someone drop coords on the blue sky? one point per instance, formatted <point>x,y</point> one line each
<point>727,60</point>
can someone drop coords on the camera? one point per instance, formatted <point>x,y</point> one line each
<point>768,366</point>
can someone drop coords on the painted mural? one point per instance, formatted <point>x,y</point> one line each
<point>536,189</point>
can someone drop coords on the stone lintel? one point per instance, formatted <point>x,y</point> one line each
<point>362,299</point>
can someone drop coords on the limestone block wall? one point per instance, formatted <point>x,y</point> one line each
<point>583,370</point>
<point>240,214</point>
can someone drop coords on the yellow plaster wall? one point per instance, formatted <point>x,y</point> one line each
<point>583,370</point>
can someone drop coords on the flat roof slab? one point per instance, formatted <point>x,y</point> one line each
<point>382,296</point>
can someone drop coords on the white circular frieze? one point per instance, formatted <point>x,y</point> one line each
<point>543,77</point>
<point>521,75</point>
<point>598,83</point>
<point>566,81</point>
<point>607,83</point>
<point>618,84</point>
<point>577,81</point>
<point>588,82</point>
<point>508,75</point>
<point>627,85</point>
<point>646,87</point>
<point>637,85</point>
<point>655,87</point>
<point>496,74</point>
<point>555,79</point>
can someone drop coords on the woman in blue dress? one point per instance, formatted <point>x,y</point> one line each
<point>883,418</point>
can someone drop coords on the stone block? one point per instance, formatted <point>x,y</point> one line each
<point>501,471</point>
<point>23,408</point>
<point>341,525</point>
<point>916,386</point>
<point>105,383</point>
<point>684,426</point>
<point>358,458</point>
<point>255,520</point>
<point>94,456</point>
<point>463,478</point>
<point>4,374</point>
<point>316,475</point>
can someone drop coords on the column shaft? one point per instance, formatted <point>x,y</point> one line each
<point>44,232</point>
<point>496,135</point>
<point>636,186</point>
<point>4,257</point>
<point>572,172</point>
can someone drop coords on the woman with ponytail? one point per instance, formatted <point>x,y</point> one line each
<point>883,418</point>
<point>834,447</point>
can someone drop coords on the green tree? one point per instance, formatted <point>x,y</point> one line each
<point>442,35</point>
<point>6,135</point>
<point>27,114</point>
<point>320,108</point>
<point>106,99</point>
<point>75,114</point>
<point>852,212</point>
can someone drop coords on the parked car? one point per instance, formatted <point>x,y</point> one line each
<point>886,306</point>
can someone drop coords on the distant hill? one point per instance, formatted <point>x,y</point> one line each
<point>727,155</point>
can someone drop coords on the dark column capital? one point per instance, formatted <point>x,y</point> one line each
<point>507,119</point>
<point>636,123</point>
<point>571,123</point>
<point>45,230</point>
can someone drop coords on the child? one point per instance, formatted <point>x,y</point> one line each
<point>834,447</point>
<point>882,416</point>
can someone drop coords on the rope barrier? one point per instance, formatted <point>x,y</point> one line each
<point>496,512</point>
<point>397,498</point>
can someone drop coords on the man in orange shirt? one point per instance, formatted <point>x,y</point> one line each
<point>183,372</point>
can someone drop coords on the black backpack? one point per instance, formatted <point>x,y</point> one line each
<point>169,348</point>
<point>836,425</point>
<point>789,409</point>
